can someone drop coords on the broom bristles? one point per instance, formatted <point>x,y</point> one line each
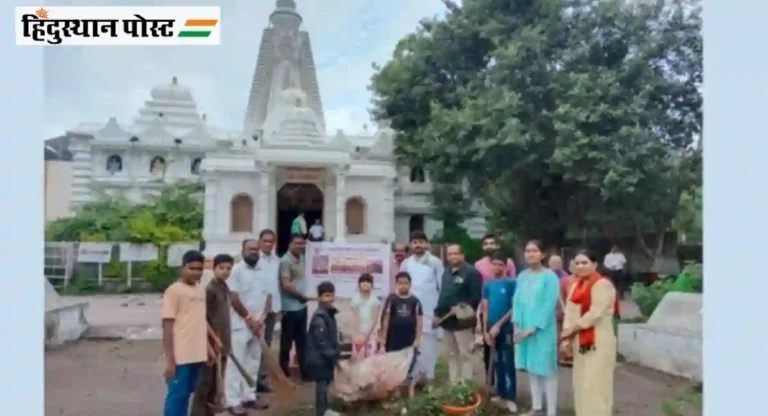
<point>282,387</point>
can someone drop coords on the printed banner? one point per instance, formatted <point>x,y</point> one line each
<point>343,263</point>
<point>117,26</point>
<point>94,253</point>
<point>176,252</point>
<point>137,252</point>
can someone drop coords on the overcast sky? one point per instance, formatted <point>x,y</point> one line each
<point>91,84</point>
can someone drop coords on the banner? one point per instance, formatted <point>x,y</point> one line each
<point>343,263</point>
<point>176,252</point>
<point>137,252</point>
<point>94,253</point>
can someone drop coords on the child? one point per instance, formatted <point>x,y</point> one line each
<point>185,334</point>
<point>217,300</point>
<point>365,310</point>
<point>402,320</point>
<point>497,308</point>
<point>323,349</point>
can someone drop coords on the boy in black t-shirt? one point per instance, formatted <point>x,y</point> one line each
<point>402,320</point>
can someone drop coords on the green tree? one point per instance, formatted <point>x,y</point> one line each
<point>175,214</point>
<point>558,114</point>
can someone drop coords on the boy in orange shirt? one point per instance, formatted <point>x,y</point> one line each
<point>185,334</point>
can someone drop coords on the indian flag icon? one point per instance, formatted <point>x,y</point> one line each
<point>198,28</point>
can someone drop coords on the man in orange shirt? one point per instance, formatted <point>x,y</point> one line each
<point>185,334</point>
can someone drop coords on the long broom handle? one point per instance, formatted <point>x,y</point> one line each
<point>243,372</point>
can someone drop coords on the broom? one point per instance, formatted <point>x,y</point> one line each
<point>219,346</point>
<point>283,388</point>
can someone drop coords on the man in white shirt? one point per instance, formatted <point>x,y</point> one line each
<point>615,263</point>
<point>316,231</point>
<point>426,273</point>
<point>249,281</point>
<point>269,263</point>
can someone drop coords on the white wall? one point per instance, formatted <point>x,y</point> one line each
<point>58,189</point>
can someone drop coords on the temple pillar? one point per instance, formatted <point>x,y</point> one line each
<point>341,207</point>
<point>265,192</point>
<point>210,217</point>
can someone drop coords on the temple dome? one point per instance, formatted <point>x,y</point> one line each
<point>171,92</point>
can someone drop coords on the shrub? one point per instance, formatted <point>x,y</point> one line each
<point>647,298</point>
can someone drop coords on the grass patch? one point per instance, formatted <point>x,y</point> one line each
<point>688,403</point>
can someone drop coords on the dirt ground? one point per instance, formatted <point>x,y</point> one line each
<point>124,378</point>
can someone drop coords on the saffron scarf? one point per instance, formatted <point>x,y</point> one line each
<point>582,296</point>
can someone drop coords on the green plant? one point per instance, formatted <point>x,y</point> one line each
<point>648,297</point>
<point>689,400</point>
<point>176,214</point>
<point>690,280</point>
<point>159,275</point>
<point>81,287</point>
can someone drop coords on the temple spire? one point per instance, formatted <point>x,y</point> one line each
<point>286,4</point>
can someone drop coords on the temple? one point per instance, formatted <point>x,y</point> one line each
<point>282,162</point>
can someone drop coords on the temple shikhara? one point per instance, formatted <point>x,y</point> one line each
<point>281,162</point>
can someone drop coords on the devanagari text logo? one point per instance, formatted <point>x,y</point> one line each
<point>118,26</point>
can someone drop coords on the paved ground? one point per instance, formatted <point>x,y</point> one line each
<point>123,377</point>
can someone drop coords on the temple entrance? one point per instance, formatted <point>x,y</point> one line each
<point>292,199</point>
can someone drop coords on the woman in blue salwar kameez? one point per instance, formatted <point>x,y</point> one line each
<point>534,317</point>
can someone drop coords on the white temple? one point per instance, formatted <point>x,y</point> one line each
<point>281,163</point>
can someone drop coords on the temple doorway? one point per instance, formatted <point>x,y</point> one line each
<point>292,199</point>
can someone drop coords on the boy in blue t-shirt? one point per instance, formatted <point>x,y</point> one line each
<point>497,329</point>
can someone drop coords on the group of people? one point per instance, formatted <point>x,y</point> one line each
<point>234,315</point>
<point>546,315</point>
<point>533,321</point>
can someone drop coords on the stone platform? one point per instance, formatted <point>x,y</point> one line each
<point>65,319</point>
<point>671,340</point>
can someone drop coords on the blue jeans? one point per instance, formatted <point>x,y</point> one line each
<point>506,381</point>
<point>180,389</point>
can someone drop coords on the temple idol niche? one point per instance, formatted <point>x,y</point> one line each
<point>157,166</point>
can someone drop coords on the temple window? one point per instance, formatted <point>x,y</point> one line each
<point>417,175</point>
<point>157,166</point>
<point>415,223</point>
<point>242,214</point>
<point>114,164</point>
<point>194,168</point>
<point>355,210</point>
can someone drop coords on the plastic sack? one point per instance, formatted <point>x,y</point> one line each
<point>373,378</point>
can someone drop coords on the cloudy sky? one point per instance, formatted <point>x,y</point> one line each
<point>91,84</point>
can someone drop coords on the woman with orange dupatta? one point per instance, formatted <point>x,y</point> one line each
<point>588,336</point>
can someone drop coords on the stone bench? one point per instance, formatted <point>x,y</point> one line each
<point>671,341</point>
<point>64,322</point>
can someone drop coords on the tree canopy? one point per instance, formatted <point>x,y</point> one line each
<point>560,115</point>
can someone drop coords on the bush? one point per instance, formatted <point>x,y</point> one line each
<point>647,298</point>
<point>159,275</point>
<point>176,214</point>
